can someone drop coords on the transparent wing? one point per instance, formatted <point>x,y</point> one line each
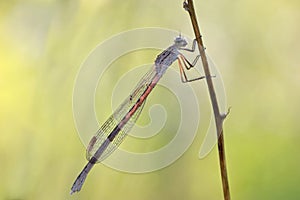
<point>101,135</point>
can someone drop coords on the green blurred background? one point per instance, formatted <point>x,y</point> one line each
<point>255,45</point>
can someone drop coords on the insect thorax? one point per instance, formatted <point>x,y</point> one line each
<point>166,58</point>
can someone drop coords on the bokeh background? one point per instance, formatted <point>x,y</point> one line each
<point>255,45</point>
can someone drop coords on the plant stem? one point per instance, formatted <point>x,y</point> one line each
<point>219,118</point>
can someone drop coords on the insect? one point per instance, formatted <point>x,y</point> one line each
<point>113,131</point>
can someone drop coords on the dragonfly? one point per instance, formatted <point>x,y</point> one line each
<point>113,131</point>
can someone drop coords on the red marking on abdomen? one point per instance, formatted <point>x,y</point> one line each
<point>139,101</point>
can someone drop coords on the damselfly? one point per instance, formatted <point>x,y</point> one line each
<point>114,130</point>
